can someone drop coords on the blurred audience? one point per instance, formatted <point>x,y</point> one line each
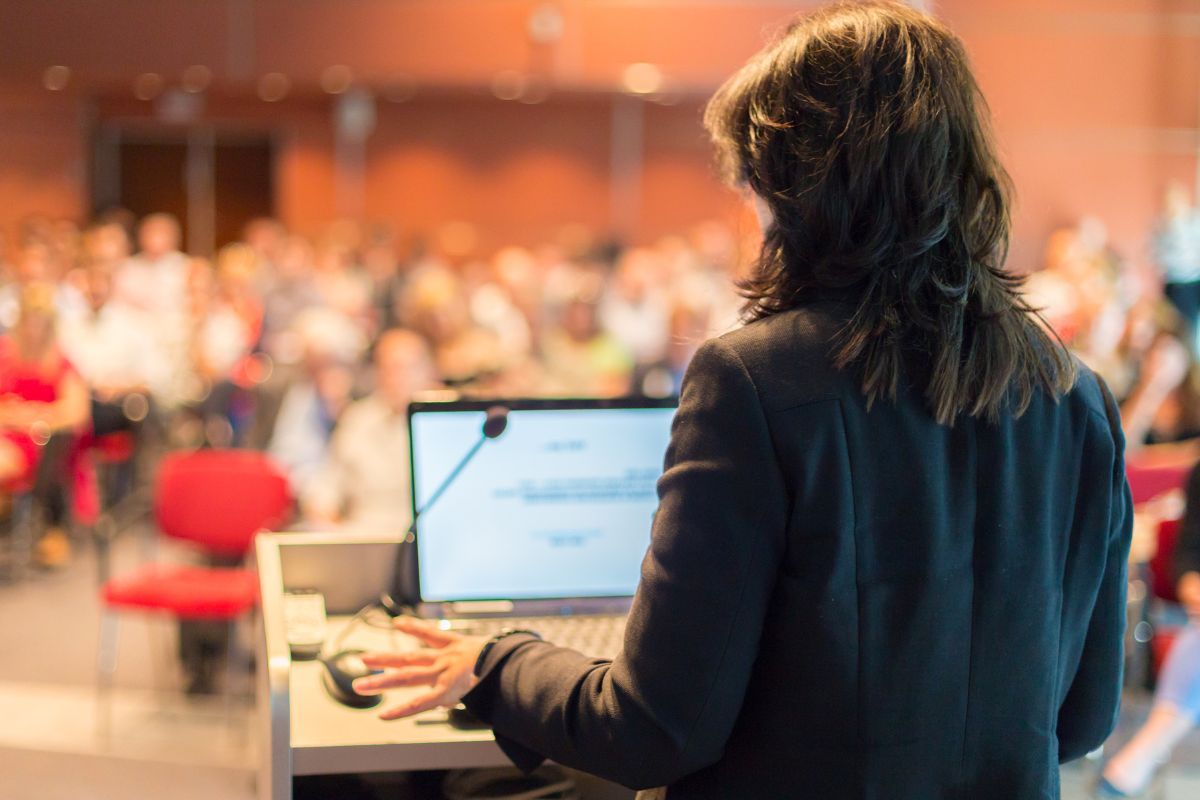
<point>312,349</point>
<point>1116,316</point>
<point>273,344</point>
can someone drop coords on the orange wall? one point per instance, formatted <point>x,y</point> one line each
<point>42,157</point>
<point>517,172</point>
<point>1095,101</point>
<point>1095,104</point>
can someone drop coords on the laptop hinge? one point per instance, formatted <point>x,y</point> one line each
<point>482,607</point>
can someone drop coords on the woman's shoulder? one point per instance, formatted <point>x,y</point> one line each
<point>788,355</point>
<point>1093,393</point>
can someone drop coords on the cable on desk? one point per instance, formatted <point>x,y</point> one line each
<point>381,620</point>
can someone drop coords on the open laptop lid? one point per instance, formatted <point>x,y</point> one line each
<point>553,516</point>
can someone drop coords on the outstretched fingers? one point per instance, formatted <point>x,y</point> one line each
<point>435,697</point>
<point>426,631</point>
<point>397,678</point>
<point>384,660</point>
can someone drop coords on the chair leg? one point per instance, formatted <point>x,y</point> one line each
<point>106,666</point>
<point>102,537</point>
<point>231,672</point>
<point>22,535</point>
<point>159,658</point>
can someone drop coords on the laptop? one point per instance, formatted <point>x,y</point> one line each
<point>547,525</point>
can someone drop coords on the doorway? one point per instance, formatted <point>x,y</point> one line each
<point>213,182</point>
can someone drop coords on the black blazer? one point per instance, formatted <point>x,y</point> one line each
<point>848,603</point>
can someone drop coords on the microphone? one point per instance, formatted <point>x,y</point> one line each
<point>494,425</point>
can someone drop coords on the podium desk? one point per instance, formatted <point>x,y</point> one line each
<point>304,731</point>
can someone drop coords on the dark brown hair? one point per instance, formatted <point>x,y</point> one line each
<point>865,133</point>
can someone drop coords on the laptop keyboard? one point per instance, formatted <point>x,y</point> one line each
<point>599,635</point>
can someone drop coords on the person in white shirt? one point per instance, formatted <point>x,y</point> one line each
<point>634,310</point>
<point>34,265</point>
<point>365,483</point>
<point>155,280</point>
<point>315,395</point>
<point>112,347</point>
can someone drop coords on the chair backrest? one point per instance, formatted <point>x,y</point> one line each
<point>1162,570</point>
<point>1148,481</point>
<point>218,499</point>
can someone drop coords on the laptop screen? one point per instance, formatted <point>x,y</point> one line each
<point>558,506</point>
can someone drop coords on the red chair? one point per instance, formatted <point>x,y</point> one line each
<point>1162,588</point>
<point>216,500</point>
<point>1148,481</point>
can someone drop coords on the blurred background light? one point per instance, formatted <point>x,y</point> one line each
<point>399,88</point>
<point>336,79</point>
<point>147,86</point>
<point>508,85</point>
<point>273,87</point>
<point>642,78</point>
<point>196,78</point>
<point>56,78</point>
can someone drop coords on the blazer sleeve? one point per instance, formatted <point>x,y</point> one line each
<point>1187,546</point>
<point>1088,714</point>
<point>665,707</point>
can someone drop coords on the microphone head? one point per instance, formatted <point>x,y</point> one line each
<point>496,422</point>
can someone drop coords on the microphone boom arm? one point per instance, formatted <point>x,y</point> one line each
<point>462,464</point>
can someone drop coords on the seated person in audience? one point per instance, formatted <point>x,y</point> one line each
<point>315,398</point>
<point>519,274</point>
<point>381,267</point>
<point>35,265</point>
<point>41,394</point>
<point>496,305</point>
<point>266,237</point>
<point>1079,280</point>
<point>113,348</point>
<point>1176,708</point>
<point>580,357</point>
<point>66,254</point>
<point>236,296</point>
<point>155,280</point>
<point>1176,250</point>
<point>226,332</point>
<point>435,306</point>
<point>689,328</point>
<point>288,290</point>
<point>106,245</point>
<point>339,281</point>
<point>364,484</point>
<point>634,310</point>
<point>1164,404</point>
